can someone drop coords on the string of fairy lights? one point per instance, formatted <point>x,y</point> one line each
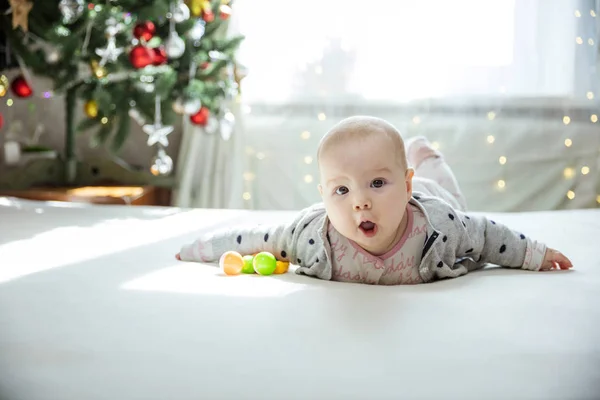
<point>499,185</point>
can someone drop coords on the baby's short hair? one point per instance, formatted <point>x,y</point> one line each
<point>359,127</point>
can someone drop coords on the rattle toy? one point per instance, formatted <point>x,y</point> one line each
<point>282,267</point>
<point>263,263</point>
<point>231,262</point>
<point>248,267</point>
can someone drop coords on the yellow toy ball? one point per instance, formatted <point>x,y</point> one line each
<point>231,262</point>
<point>282,267</point>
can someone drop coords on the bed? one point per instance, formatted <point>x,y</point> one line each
<point>93,305</point>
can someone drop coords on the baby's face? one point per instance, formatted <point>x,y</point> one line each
<point>365,191</point>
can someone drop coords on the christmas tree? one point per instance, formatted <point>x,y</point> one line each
<point>150,60</point>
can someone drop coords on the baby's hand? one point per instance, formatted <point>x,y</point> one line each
<point>177,256</point>
<point>554,259</point>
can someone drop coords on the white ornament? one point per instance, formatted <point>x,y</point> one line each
<point>181,13</point>
<point>110,53</point>
<point>227,125</point>
<point>212,125</point>
<point>71,10</point>
<point>197,31</point>
<point>187,107</point>
<point>157,132</point>
<point>174,46</point>
<point>162,164</point>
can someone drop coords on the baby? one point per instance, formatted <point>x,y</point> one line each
<point>378,223</point>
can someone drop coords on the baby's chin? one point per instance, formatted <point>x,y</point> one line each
<point>376,245</point>
<point>374,249</point>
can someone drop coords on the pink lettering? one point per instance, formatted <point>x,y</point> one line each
<point>342,251</point>
<point>348,276</point>
<point>338,271</point>
<point>413,280</point>
<point>402,264</point>
<point>417,231</point>
<point>339,249</point>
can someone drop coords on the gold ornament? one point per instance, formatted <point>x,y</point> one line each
<point>195,7</point>
<point>239,73</point>
<point>98,71</point>
<point>4,85</point>
<point>20,13</point>
<point>91,109</point>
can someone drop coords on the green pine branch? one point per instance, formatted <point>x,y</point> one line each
<point>120,86</point>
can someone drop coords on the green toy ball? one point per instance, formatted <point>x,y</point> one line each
<point>248,267</point>
<point>264,263</point>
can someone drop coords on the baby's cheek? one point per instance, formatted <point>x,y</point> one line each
<point>339,221</point>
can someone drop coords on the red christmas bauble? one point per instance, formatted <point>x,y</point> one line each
<point>208,16</point>
<point>160,56</point>
<point>144,30</point>
<point>201,117</point>
<point>141,56</point>
<point>225,11</point>
<point>20,87</point>
<point>204,65</point>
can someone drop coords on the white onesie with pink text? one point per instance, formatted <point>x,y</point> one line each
<point>398,266</point>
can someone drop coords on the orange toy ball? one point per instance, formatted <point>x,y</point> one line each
<point>282,267</point>
<point>231,263</point>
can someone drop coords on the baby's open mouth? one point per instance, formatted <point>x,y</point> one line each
<point>368,228</point>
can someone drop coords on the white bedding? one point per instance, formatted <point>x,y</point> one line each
<point>93,305</point>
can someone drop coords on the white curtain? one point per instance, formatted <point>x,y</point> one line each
<point>209,167</point>
<point>507,89</point>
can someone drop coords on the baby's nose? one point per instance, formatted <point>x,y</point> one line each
<point>362,205</point>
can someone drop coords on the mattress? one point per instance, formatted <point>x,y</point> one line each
<point>93,305</point>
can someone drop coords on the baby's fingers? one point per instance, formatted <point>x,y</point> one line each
<point>562,261</point>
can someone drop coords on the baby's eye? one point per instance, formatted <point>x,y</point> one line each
<point>342,190</point>
<point>377,183</point>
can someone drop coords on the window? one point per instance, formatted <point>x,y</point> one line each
<point>400,50</point>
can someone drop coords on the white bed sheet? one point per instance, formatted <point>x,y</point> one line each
<point>93,305</point>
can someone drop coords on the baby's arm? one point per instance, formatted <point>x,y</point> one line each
<point>487,241</point>
<point>297,241</point>
<point>244,240</point>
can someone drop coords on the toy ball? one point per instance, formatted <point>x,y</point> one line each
<point>231,262</point>
<point>282,267</point>
<point>264,263</point>
<point>248,267</point>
